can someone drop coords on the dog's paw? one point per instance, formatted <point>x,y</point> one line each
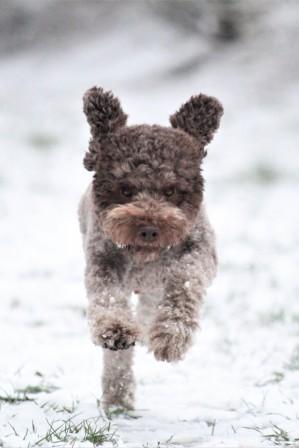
<point>169,341</point>
<point>116,335</point>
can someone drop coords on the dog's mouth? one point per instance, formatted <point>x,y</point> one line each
<point>141,248</point>
<point>143,253</point>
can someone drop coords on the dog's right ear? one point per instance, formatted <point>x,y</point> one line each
<point>104,115</point>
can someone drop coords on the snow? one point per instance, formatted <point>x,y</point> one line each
<point>239,384</point>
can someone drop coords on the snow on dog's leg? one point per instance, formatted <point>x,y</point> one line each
<point>177,319</point>
<point>113,328</point>
<point>188,276</point>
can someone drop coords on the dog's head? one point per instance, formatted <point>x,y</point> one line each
<point>148,185</point>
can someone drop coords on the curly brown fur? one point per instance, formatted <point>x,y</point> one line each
<point>200,117</point>
<point>145,229</point>
<point>104,114</point>
<point>121,225</point>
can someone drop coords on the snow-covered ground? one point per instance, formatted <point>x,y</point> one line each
<point>239,384</point>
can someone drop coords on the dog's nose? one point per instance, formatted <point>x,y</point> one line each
<point>148,233</point>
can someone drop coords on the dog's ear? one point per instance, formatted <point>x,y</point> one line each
<point>104,115</point>
<point>91,156</point>
<point>200,117</point>
<point>103,111</point>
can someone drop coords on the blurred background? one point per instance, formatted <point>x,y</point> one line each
<point>154,55</point>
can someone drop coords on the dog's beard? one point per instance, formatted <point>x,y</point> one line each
<point>122,224</point>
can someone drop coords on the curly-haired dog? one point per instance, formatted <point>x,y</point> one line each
<point>145,229</point>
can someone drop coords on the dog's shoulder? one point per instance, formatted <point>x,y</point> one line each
<point>110,260</point>
<point>191,244</point>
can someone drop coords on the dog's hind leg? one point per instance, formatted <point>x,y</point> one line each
<point>118,383</point>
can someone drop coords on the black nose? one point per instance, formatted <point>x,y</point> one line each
<point>148,233</point>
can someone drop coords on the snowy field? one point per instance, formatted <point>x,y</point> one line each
<point>239,384</point>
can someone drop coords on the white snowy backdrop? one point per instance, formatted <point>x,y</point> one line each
<point>239,385</point>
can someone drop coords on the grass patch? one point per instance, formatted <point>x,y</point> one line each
<point>37,389</point>
<point>24,394</point>
<point>88,430</point>
<point>211,424</point>
<point>116,412</point>
<point>277,435</point>
<point>280,436</point>
<point>58,408</point>
<point>119,411</point>
<point>15,398</point>
<point>275,378</point>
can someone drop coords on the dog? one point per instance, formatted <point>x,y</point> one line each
<point>145,230</point>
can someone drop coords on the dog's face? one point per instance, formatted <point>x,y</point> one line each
<point>148,188</point>
<point>148,185</point>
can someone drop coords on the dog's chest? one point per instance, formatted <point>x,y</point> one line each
<point>146,279</point>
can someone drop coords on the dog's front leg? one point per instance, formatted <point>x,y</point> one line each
<point>178,315</point>
<point>177,319</point>
<point>112,327</point>
<point>111,323</point>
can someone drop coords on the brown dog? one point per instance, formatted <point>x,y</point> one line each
<point>145,229</point>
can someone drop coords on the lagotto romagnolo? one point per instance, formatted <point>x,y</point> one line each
<point>145,230</point>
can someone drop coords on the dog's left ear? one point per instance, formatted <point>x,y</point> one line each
<point>200,117</point>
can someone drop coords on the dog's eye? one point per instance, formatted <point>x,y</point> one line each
<point>169,192</point>
<point>127,191</point>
